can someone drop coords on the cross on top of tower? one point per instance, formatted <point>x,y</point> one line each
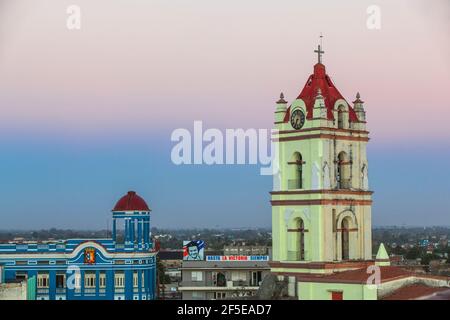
<point>319,50</point>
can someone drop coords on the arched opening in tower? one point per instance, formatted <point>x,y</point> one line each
<point>301,240</point>
<point>343,177</point>
<point>345,239</point>
<point>296,179</point>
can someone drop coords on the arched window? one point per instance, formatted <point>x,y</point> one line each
<point>301,240</point>
<point>296,240</point>
<point>345,239</point>
<point>343,171</point>
<point>296,175</point>
<point>341,117</point>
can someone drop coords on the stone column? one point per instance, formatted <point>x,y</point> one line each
<point>139,235</point>
<point>132,230</point>
<point>114,230</point>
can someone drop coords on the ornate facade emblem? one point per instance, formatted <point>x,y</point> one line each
<point>89,256</point>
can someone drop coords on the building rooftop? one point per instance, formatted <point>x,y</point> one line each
<point>320,80</point>
<point>170,254</point>
<point>414,292</point>
<point>387,273</point>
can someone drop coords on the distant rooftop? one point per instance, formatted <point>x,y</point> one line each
<point>416,291</point>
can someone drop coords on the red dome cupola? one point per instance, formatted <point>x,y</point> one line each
<point>131,202</point>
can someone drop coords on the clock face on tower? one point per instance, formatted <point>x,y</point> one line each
<point>297,119</point>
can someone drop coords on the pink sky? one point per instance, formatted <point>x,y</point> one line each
<point>162,64</point>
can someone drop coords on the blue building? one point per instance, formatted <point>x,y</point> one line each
<point>121,268</point>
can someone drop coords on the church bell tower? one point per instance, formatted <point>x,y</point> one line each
<point>321,202</point>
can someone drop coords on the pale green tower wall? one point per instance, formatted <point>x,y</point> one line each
<point>319,142</point>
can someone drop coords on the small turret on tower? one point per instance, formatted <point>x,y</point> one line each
<point>358,106</point>
<point>280,111</point>
<point>382,258</point>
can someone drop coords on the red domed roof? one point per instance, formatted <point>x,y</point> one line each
<point>131,202</point>
<point>330,93</point>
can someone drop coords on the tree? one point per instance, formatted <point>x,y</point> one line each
<point>398,250</point>
<point>161,277</point>
<point>413,253</point>
<point>161,270</point>
<point>428,257</point>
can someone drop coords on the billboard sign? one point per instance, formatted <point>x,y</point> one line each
<point>194,250</point>
<point>237,258</point>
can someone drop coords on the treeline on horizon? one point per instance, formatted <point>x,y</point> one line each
<point>226,235</point>
<point>164,235</point>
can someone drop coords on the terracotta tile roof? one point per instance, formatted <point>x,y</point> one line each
<point>441,295</point>
<point>415,291</point>
<point>388,273</point>
<point>320,80</point>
